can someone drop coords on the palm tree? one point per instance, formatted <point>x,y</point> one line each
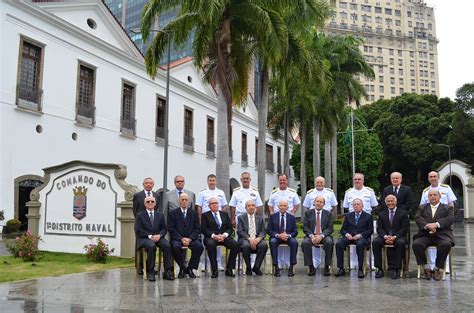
<point>299,17</point>
<point>226,34</point>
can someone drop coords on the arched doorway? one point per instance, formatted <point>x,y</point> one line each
<point>234,183</point>
<point>23,186</point>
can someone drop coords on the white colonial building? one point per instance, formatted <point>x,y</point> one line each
<point>73,86</point>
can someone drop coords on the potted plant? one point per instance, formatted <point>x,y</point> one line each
<point>10,230</point>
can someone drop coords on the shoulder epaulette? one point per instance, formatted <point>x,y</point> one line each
<point>330,189</point>
<point>235,189</point>
<point>444,185</point>
<point>426,189</point>
<point>203,189</point>
<point>369,188</point>
<point>309,191</point>
<point>256,189</point>
<point>291,189</point>
<point>348,189</point>
<point>274,190</point>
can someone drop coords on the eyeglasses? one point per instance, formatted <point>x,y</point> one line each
<point>179,181</point>
<point>150,201</point>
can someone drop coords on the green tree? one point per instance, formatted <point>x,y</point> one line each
<point>465,98</point>
<point>226,35</point>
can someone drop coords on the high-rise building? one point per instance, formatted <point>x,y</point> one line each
<point>399,43</point>
<point>128,13</point>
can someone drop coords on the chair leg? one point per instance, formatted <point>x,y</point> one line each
<point>144,256</point>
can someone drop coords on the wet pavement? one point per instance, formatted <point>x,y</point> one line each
<point>122,291</point>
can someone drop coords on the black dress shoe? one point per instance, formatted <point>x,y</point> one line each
<point>291,271</point>
<point>360,273</point>
<point>428,273</point>
<point>248,272</point>
<point>214,274</point>
<point>341,272</point>
<point>327,272</point>
<point>312,271</point>
<point>182,273</point>
<point>151,276</point>
<point>276,272</point>
<point>257,271</point>
<point>379,273</point>
<point>229,272</point>
<point>190,272</point>
<point>167,275</point>
<point>140,272</point>
<point>396,274</point>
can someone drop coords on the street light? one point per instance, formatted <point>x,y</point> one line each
<point>449,156</point>
<point>167,105</point>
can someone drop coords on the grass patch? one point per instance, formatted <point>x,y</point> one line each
<point>54,264</point>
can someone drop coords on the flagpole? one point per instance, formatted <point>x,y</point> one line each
<point>352,142</point>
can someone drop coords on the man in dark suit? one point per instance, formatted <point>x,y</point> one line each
<point>392,229</point>
<point>357,228</point>
<point>318,229</point>
<point>150,230</point>
<point>184,229</point>
<point>139,197</point>
<point>138,206</point>
<point>282,229</point>
<point>434,221</point>
<point>217,230</point>
<point>251,232</point>
<point>172,196</point>
<point>402,192</point>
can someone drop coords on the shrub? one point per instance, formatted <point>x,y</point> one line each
<point>13,225</point>
<point>98,252</point>
<point>25,247</point>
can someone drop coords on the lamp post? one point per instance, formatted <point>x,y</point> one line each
<point>449,157</point>
<point>165,126</point>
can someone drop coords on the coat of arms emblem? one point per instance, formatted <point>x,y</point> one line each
<point>79,206</point>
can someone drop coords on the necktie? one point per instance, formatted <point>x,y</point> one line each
<point>179,193</point>
<point>282,224</point>
<point>151,218</point>
<point>391,217</point>
<point>318,223</point>
<point>148,194</point>
<point>184,214</point>
<point>252,231</point>
<point>433,210</point>
<point>357,216</point>
<point>395,190</point>
<point>217,220</point>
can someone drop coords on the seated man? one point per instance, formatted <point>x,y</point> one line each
<point>282,229</point>
<point>150,229</point>
<point>217,230</point>
<point>251,232</point>
<point>392,229</point>
<point>183,225</point>
<point>434,221</point>
<point>318,229</point>
<point>357,228</point>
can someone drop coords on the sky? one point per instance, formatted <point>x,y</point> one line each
<point>454,29</point>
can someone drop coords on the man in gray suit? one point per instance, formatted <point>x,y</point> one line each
<point>434,221</point>
<point>251,232</point>
<point>172,196</point>
<point>318,229</point>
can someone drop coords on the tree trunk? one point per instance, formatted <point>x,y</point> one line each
<point>286,151</point>
<point>222,157</point>
<point>334,160</point>
<point>327,161</point>
<point>316,152</point>
<point>303,168</point>
<point>262,131</point>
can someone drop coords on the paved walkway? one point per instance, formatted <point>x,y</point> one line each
<point>123,291</point>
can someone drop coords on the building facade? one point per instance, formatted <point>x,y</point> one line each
<point>400,44</point>
<point>74,87</point>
